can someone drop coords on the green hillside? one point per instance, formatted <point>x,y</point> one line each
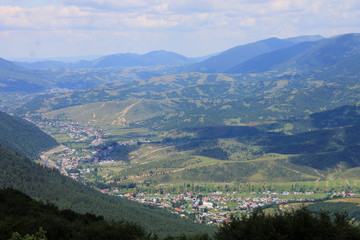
<point>188,100</point>
<point>49,186</point>
<point>23,137</point>
<point>317,147</point>
<point>21,216</point>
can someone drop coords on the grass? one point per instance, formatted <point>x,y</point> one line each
<point>173,160</point>
<point>348,200</point>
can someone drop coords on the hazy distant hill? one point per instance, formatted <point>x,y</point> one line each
<point>132,60</point>
<point>305,56</point>
<point>153,58</point>
<point>237,55</point>
<point>214,63</point>
<point>17,79</point>
<point>14,78</point>
<point>44,65</point>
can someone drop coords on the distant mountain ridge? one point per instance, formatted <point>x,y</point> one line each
<point>160,57</point>
<point>14,78</point>
<point>304,53</point>
<point>304,56</point>
<point>239,54</point>
<point>213,63</point>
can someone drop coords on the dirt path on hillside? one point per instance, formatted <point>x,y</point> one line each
<point>319,174</point>
<point>293,170</point>
<point>121,116</point>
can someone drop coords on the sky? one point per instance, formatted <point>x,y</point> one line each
<point>193,28</point>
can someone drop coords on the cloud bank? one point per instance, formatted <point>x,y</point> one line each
<point>193,28</point>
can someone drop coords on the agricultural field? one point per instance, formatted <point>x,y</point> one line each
<point>162,169</point>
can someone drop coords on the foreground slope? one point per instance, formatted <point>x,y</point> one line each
<point>23,137</point>
<point>295,224</point>
<point>21,215</point>
<point>17,212</point>
<point>49,186</point>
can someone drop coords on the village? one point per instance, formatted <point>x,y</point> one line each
<point>211,208</point>
<point>206,207</point>
<point>218,207</point>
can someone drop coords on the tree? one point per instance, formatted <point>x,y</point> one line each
<point>293,225</point>
<point>40,235</point>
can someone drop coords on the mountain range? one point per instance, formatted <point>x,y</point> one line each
<point>153,58</point>
<point>231,58</point>
<point>304,56</point>
<point>304,53</point>
<point>276,110</point>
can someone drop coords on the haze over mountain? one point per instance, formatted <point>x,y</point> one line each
<point>14,78</point>
<point>214,63</point>
<point>304,53</point>
<point>153,58</point>
<point>304,56</point>
<point>239,54</point>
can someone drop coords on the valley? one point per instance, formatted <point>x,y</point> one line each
<point>200,142</point>
<point>175,170</point>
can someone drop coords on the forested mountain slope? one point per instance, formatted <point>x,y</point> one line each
<point>20,215</point>
<point>23,137</point>
<point>239,54</point>
<point>50,186</point>
<point>305,56</point>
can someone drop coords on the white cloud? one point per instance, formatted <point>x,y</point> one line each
<point>111,5</point>
<point>207,25</point>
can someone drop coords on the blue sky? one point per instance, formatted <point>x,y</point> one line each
<point>55,28</point>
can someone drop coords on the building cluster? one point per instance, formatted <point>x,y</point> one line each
<point>211,208</point>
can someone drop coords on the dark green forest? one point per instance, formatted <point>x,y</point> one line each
<point>291,225</point>
<point>22,216</point>
<point>49,185</point>
<point>23,137</point>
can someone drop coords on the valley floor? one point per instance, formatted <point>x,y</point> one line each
<point>89,159</point>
